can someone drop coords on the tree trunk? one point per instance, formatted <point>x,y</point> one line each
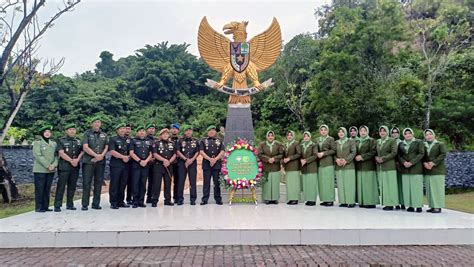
<point>12,114</point>
<point>429,103</point>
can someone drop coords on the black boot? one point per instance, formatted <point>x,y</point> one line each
<point>343,205</point>
<point>410,209</point>
<point>437,210</point>
<point>419,210</point>
<point>351,205</point>
<point>388,208</point>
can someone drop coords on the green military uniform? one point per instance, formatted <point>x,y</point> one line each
<point>175,139</point>
<point>345,175</point>
<point>165,149</point>
<point>367,191</point>
<point>399,172</point>
<point>309,171</point>
<point>386,171</point>
<point>435,178</point>
<point>412,151</point>
<point>292,169</point>
<point>188,147</point>
<point>272,171</point>
<point>119,170</point>
<point>142,148</point>
<point>45,155</point>
<point>212,147</point>
<point>93,172</point>
<point>355,138</point>
<point>67,174</point>
<point>327,146</point>
<point>149,188</point>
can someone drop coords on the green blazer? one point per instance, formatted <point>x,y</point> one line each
<point>346,151</point>
<point>293,152</point>
<point>388,152</point>
<point>44,155</point>
<point>328,147</point>
<point>415,154</point>
<point>367,151</point>
<point>436,155</point>
<point>310,155</point>
<point>264,154</point>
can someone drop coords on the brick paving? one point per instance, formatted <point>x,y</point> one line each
<point>243,256</point>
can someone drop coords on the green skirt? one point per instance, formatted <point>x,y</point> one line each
<point>389,188</point>
<point>310,186</point>
<point>346,186</point>
<point>293,185</point>
<point>412,190</point>
<point>435,186</point>
<point>367,190</point>
<point>400,188</point>
<point>271,188</point>
<point>326,184</point>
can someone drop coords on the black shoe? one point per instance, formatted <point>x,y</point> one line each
<point>329,204</point>
<point>142,205</point>
<point>397,207</point>
<point>429,210</point>
<point>149,200</point>
<point>169,203</point>
<point>154,204</point>
<point>343,205</point>
<point>410,209</point>
<point>124,205</point>
<point>129,202</point>
<point>97,207</point>
<point>437,210</point>
<point>114,207</point>
<point>219,202</point>
<point>292,202</point>
<point>48,210</point>
<point>134,206</point>
<point>275,202</point>
<point>351,205</point>
<point>193,202</point>
<point>57,209</point>
<point>362,206</point>
<point>267,202</point>
<point>84,208</point>
<point>71,208</point>
<point>40,210</point>
<point>403,207</point>
<point>369,206</point>
<point>388,208</point>
<point>203,203</point>
<point>180,203</point>
<point>419,210</point>
<point>310,203</point>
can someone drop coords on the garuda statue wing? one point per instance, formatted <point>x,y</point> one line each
<point>265,47</point>
<point>213,46</point>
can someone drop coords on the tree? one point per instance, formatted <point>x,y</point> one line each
<point>20,68</point>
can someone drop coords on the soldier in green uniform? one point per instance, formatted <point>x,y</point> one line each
<point>367,190</point>
<point>45,164</point>
<point>270,153</point>
<point>410,155</point>
<point>212,150</point>
<point>119,167</point>
<point>141,152</point>
<point>128,131</point>
<point>327,149</point>
<point>221,133</point>
<point>386,170</point>
<point>434,171</point>
<point>70,155</point>
<point>309,169</point>
<point>95,145</point>
<point>174,165</point>
<point>345,169</point>
<point>187,150</point>
<point>291,156</point>
<point>164,151</point>
<point>150,135</point>
<point>353,135</point>
<point>395,133</point>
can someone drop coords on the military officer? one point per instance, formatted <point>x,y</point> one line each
<point>70,155</point>
<point>174,165</point>
<point>95,145</point>
<point>140,151</point>
<point>119,167</point>
<point>212,151</point>
<point>187,150</point>
<point>128,131</point>
<point>150,135</point>
<point>164,151</point>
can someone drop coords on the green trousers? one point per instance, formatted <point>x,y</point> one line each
<point>367,191</point>
<point>389,188</point>
<point>271,188</point>
<point>293,185</point>
<point>435,190</point>
<point>346,186</point>
<point>92,174</point>
<point>326,184</point>
<point>310,186</point>
<point>66,178</point>
<point>413,190</point>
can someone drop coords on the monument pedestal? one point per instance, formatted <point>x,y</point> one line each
<point>239,123</point>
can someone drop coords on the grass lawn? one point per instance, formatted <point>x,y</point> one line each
<point>455,200</point>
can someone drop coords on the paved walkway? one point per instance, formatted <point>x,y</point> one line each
<point>244,256</point>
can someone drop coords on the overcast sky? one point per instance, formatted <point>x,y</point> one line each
<point>123,26</point>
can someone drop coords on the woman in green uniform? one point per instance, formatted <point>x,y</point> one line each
<point>45,164</point>
<point>386,170</point>
<point>410,155</point>
<point>292,153</point>
<point>345,169</point>
<point>395,133</point>
<point>309,169</point>
<point>327,149</point>
<point>367,191</point>
<point>270,153</point>
<point>434,171</point>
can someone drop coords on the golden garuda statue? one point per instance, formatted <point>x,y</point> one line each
<point>239,59</point>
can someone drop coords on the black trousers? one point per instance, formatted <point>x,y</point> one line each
<point>43,182</point>
<point>92,173</point>
<point>206,190</point>
<point>191,172</point>
<point>175,173</point>
<point>149,190</point>
<point>118,182</point>
<point>66,178</point>
<point>160,174</point>
<point>139,176</point>
<point>129,183</point>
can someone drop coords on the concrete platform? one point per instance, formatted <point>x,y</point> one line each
<point>238,224</point>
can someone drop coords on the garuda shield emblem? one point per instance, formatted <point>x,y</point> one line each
<point>239,55</point>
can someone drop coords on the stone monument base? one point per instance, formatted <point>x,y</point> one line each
<point>239,123</point>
